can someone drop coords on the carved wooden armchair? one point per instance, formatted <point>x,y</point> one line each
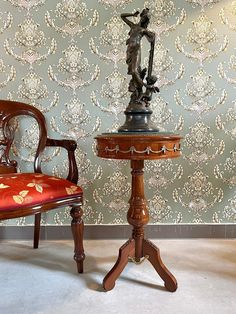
<point>24,194</point>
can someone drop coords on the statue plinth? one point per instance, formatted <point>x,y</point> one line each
<point>138,119</point>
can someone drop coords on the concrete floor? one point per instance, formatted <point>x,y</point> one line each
<point>45,281</point>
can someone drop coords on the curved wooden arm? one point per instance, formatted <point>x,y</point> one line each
<point>70,146</point>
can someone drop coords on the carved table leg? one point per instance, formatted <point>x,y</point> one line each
<point>126,251</point>
<point>138,247</point>
<point>155,259</point>
<point>77,228</point>
<point>137,215</point>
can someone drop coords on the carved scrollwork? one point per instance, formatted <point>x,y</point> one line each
<point>148,150</point>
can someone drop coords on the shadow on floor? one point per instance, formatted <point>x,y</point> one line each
<point>56,257</point>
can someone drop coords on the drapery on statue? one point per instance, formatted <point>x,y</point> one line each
<point>133,59</point>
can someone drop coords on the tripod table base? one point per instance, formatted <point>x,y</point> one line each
<point>152,253</point>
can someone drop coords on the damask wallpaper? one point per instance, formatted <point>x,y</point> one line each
<point>67,58</point>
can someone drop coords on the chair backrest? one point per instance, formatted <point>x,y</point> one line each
<point>11,109</point>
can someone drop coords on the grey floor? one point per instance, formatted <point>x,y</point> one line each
<point>45,281</point>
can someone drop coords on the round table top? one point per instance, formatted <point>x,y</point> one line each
<point>138,145</point>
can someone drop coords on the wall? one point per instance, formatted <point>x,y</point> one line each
<point>67,58</point>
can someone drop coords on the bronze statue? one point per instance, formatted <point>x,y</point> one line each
<point>138,112</point>
<point>133,58</point>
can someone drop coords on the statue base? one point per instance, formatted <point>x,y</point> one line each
<point>138,120</point>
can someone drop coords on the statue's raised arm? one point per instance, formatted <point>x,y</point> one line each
<point>125,15</point>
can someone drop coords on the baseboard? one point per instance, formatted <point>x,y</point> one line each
<point>165,231</point>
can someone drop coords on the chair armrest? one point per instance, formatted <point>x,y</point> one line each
<point>70,146</point>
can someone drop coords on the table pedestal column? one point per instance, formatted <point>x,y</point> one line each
<point>137,247</point>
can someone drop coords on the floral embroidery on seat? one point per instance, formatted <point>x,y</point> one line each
<point>3,186</point>
<point>38,185</point>
<point>23,189</point>
<point>21,197</point>
<point>71,190</point>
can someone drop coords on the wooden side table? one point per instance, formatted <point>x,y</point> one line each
<point>138,147</point>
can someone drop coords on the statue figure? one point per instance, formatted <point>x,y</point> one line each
<point>142,83</point>
<point>133,58</point>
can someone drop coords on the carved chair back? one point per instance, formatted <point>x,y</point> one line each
<point>8,111</point>
<point>11,109</point>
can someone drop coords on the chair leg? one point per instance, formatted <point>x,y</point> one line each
<point>37,219</point>
<point>77,228</point>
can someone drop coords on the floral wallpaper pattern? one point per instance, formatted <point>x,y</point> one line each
<point>67,58</point>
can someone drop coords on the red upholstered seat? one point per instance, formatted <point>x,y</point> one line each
<point>22,189</point>
<point>25,194</point>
